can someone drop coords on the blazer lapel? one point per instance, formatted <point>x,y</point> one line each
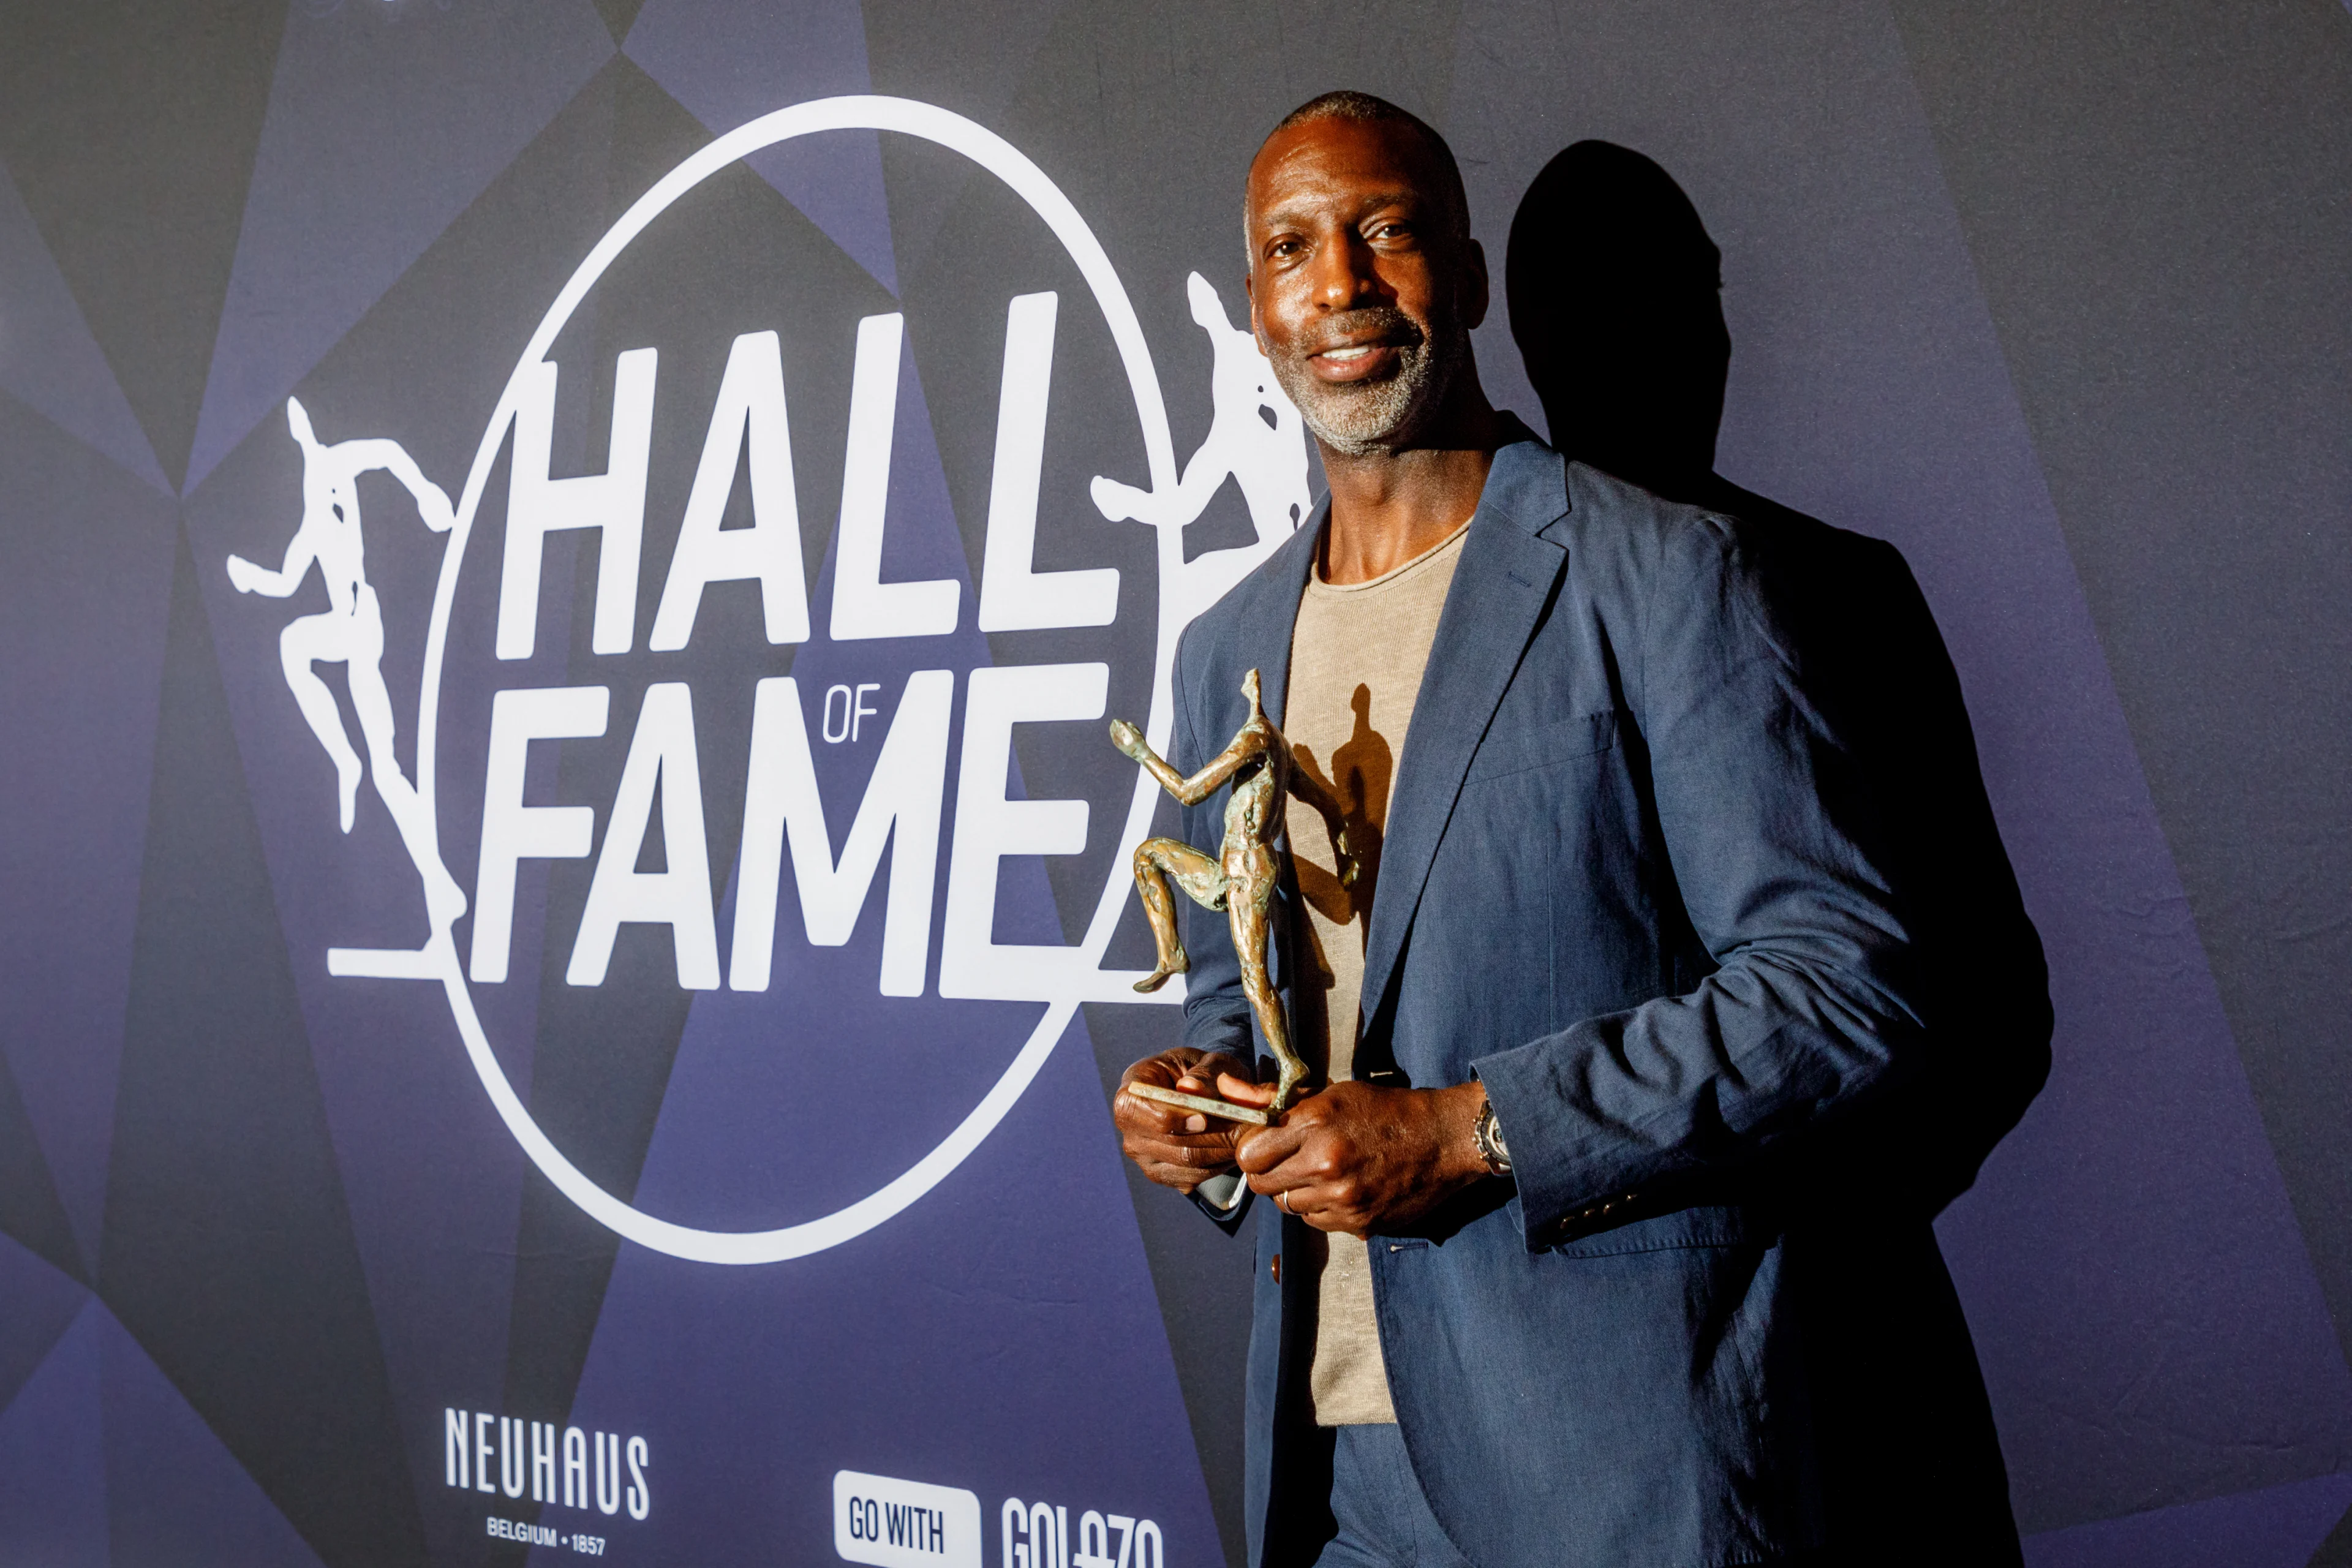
<point>1264,616</point>
<point>1500,587</point>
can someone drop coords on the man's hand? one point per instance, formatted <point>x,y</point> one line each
<point>1175,1147</point>
<point>1359,1159</point>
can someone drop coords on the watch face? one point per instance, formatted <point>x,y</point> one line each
<point>1490,1135</point>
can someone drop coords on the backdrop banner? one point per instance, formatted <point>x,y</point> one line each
<point>565,916</point>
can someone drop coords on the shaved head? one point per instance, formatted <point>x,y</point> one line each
<point>1365,108</point>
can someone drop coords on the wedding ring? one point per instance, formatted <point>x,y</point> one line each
<point>1281,1200</point>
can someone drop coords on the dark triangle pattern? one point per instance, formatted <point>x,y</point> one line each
<point>732,60</point>
<point>2335,1549</point>
<point>175,1497</point>
<point>432,1179</point>
<point>29,1209</point>
<point>2167,282</point>
<point>86,552</point>
<point>47,357</point>
<point>53,1479</point>
<point>130,131</point>
<point>975,58</point>
<point>225,1226</point>
<point>42,1303</point>
<point>383,126</point>
<point>620,17</point>
<point>2273,1528</point>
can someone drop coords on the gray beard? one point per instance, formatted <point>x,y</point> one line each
<point>1366,417</point>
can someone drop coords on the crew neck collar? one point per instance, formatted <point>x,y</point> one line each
<point>1452,542</point>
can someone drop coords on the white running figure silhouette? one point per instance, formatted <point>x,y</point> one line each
<point>350,632</point>
<point>1255,435</point>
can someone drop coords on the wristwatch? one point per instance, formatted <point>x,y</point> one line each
<point>1488,1136</point>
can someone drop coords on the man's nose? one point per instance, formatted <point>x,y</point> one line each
<point>1344,277</point>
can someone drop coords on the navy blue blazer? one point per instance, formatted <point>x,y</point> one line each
<point>1637,879</point>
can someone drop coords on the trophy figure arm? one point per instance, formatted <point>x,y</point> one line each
<point>1136,749</point>
<point>1245,749</point>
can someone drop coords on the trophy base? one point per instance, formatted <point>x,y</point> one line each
<point>1203,1104</point>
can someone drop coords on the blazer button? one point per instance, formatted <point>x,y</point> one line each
<point>1277,1270</point>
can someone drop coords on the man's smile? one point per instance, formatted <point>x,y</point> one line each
<point>1362,356</point>
<point>1354,361</point>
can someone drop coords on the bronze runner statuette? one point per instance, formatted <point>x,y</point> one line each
<point>1239,881</point>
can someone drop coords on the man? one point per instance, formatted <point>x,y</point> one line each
<point>1621,974</point>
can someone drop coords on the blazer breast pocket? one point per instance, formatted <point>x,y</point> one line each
<point>1507,751</point>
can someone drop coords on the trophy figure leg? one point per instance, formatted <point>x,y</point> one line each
<point>1158,861</point>
<point>1249,907</point>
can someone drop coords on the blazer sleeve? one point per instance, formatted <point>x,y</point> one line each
<point>1770,831</point>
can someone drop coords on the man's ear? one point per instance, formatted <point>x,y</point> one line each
<point>1476,291</point>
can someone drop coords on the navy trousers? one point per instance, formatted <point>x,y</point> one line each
<point>1384,1521</point>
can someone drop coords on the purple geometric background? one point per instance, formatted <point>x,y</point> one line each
<point>2169,1387</point>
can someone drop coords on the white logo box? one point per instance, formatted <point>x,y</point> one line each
<point>893,1523</point>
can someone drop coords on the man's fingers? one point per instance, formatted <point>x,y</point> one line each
<point>1204,1151</point>
<point>1316,1204</point>
<point>1134,1114</point>
<point>1184,1178</point>
<point>1265,1149</point>
<point>1194,1122</point>
<point>1174,1147</point>
<point>1336,1221</point>
<point>1201,1154</point>
<point>1140,1118</point>
<point>1241,1091</point>
<point>1151,1134</point>
<point>1177,1069</point>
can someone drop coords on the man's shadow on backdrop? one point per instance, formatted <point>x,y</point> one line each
<point>1615,289</point>
<point>1615,295</point>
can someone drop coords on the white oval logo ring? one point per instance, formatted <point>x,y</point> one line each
<point>1000,158</point>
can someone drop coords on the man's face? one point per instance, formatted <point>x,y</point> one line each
<point>1362,295</point>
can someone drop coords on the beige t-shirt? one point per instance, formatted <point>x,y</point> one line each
<point>1356,660</point>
